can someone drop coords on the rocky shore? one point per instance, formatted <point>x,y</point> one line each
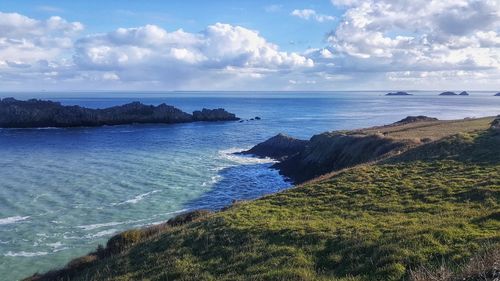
<point>303,160</point>
<point>41,113</point>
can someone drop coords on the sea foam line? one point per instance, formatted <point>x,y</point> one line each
<point>136,198</point>
<point>25,254</point>
<point>11,220</point>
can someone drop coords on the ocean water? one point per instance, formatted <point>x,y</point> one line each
<point>64,191</point>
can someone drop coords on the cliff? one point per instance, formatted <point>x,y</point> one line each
<point>278,147</point>
<point>39,113</point>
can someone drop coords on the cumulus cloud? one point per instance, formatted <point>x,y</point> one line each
<point>417,35</point>
<point>309,14</point>
<point>180,56</point>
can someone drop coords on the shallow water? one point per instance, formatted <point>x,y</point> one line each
<point>64,191</point>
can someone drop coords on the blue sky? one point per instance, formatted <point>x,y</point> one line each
<point>272,20</point>
<point>250,45</point>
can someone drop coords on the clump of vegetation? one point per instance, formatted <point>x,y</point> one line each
<point>395,220</point>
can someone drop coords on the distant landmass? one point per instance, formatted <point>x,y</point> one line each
<point>398,94</point>
<point>448,94</point>
<point>35,113</point>
<point>464,93</point>
<point>497,95</point>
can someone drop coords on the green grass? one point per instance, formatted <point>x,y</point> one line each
<point>438,202</point>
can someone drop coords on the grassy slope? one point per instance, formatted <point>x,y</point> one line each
<point>372,222</point>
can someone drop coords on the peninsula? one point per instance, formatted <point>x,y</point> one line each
<point>414,200</point>
<point>35,113</point>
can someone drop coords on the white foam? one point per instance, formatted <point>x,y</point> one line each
<point>11,220</point>
<point>101,233</point>
<point>136,198</point>
<point>25,254</point>
<point>229,154</point>
<point>98,225</point>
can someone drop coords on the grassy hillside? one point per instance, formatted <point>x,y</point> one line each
<point>435,205</point>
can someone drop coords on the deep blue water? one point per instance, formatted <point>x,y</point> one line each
<point>64,191</point>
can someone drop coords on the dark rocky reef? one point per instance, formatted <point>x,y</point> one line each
<point>398,94</point>
<point>413,119</point>
<point>278,147</point>
<point>39,113</point>
<point>448,94</point>
<point>464,93</point>
<point>213,115</point>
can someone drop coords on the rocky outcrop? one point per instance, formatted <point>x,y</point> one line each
<point>213,115</point>
<point>495,125</point>
<point>464,93</point>
<point>413,119</point>
<point>398,94</point>
<point>278,147</point>
<point>448,94</point>
<point>39,113</point>
<point>334,151</point>
<point>497,95</point>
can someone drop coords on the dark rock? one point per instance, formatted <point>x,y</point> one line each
<point>257,118</point>
<point>278,147</point>
<point>251,119</point>
<point>39,113</point>
<point>495,125</point>
<point>398,94</point>
<point>413,119</point>
<point>188,217</point>
<point>448,94</point>
<point>334,151</point>
<point>214,115</point>
<point>497,95</point>
<point>464,93</point>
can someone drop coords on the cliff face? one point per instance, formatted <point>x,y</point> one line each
<point>329,152</point>
<point>278,147</point>
<point>39,113</point>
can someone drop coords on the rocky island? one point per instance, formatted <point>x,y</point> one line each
<point>448,94</point>
<point>400,93</point>
<point>41,113</point>
<point>464,93</point>
<point>497,95</point>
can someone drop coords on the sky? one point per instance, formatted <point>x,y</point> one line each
<point>319,45</point>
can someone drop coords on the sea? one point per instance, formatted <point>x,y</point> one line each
<point>65,191</point>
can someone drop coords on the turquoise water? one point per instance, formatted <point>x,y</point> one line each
<point>64,191</point>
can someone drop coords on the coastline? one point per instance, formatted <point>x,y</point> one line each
<point>122,242</point>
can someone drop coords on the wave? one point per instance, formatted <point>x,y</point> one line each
<point>98,225</point>
<point>25,254</point>
<point>11,220</point>
<point>136,198</point>
<point>230,154</point>
<point>101,233</point>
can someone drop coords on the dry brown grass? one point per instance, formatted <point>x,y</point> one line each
<point>431,130</point>
<point>481,267</point>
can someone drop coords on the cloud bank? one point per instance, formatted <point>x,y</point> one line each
<point>374,45</point>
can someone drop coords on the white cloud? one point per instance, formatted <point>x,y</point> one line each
<point>419,36</point>
<point>151,53</point>
<point>309,14</point>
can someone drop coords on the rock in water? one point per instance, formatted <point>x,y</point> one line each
<point>214,115</point>
<point>278,147</point>
<point>448,94</point>
<point>398,94</point>
<point>464,93</point>
<point>497,95</point>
